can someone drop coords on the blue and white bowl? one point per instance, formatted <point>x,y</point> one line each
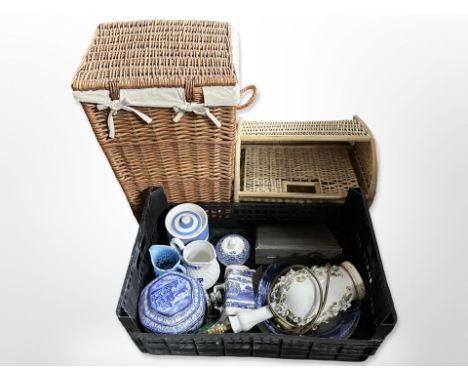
<point>187,222</point>
<point>173,303</point>
<point>232,249</point>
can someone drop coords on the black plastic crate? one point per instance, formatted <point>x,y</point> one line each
<point>351,224</point>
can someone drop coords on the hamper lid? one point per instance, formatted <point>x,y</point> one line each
<point>159,53</point>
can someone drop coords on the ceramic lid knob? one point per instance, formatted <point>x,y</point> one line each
<point>186,221</point>
<point>234,244</point>
<point>233,249</point>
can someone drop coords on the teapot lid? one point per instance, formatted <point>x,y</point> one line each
<point>172,303</point>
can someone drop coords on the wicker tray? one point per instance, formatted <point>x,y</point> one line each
<point>304,161</point>
<point>153,143</point>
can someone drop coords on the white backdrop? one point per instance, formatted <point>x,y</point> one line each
<point>67,230</point>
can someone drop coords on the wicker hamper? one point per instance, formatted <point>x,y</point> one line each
<point>161,97</point>
<point>304,161</point>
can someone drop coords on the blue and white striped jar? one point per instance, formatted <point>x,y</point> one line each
<point>187,222</point>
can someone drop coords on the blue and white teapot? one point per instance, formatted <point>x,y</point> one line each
<point>238,291</point>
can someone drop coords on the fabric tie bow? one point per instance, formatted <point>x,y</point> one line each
<point>115,106</point>
<point>193,107</point>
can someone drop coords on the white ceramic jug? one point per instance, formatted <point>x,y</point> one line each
<point>200,261</point>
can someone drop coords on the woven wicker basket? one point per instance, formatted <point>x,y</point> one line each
<point>161,97</point>
<point>304,161</point>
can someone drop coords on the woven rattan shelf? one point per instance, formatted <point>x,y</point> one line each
<point>161,97</point>
<point>314,131</point>
<point>304,161</point>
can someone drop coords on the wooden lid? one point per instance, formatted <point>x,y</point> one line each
<point>158,53</point>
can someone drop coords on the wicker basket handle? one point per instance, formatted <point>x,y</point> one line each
<point>250,101</point>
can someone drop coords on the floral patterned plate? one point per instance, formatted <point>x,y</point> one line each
<point>341,327</point>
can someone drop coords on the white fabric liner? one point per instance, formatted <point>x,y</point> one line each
<point>166,97</point>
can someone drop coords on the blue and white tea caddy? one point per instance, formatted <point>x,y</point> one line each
<point>186,222</point>
<point>173,303</point>
<point>232,249</point>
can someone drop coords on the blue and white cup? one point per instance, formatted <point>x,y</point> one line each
<point>165,259</point>
<point>185,223</point>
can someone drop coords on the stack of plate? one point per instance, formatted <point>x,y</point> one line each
<point>172,303</point>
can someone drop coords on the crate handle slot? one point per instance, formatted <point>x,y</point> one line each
<point>312,187</point>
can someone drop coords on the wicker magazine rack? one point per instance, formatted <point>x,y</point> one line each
<point>304,161</point>
<point>161,97</point>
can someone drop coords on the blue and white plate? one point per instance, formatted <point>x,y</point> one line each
<point>172,303</point>
<point>341,327</point>
<point>232,249</point>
